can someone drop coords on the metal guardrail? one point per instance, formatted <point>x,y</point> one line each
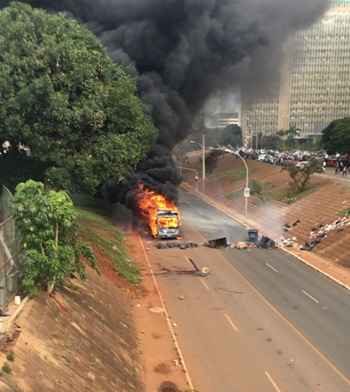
<point>10,251</point>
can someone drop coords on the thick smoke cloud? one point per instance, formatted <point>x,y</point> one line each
<point>185,50</point>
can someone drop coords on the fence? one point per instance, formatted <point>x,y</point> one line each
<point>9,251</point>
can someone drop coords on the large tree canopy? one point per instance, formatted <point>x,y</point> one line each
<point>336,137</point>
<point>61,95</point>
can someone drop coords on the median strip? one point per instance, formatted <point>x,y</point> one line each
<point>310,296</point>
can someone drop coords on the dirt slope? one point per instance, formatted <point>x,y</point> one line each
<point>83,338</point>
<point>80,340</point>
<point>322,204</point>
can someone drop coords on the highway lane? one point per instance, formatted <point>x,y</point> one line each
<point>231,336</point>
<point>315,305</point>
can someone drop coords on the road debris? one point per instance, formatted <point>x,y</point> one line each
<point>176,244</point>
<point>242,245</point>
<point>196,271</point>
<point>218,243</point>
<point>266,243</point>
<point>320,233</point>
<point>156,310</point>
<point>287,226</point>
<point>287,242</point>
<point>253,236</point>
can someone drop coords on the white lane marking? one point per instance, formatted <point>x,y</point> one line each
<point>271,267</point>
<point>228,318</point>
<point>204,284</point>
<point>272,382</point>
<point>188,261</point>
<point>310,296</point>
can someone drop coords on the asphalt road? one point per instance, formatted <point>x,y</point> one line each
<point>262,320</point>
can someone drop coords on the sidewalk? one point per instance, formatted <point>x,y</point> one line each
<point>332,176</point>
<point>328,268</point>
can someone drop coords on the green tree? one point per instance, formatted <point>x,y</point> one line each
<point>47,223</point>
<point>336,137</point>
<point>63,96</point>
<point>300,175</point>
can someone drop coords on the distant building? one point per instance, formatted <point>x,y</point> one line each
<point>315,83</point>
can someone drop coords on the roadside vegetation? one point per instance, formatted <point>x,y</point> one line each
<point>52,252</point>
<point>300,177</point>
<point>58,239</point>
<point>97,230</point>
<point>74,108</point>
<point>72,122</point>
<point>336,137</point>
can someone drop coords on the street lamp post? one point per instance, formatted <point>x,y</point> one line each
<point>246,189</point>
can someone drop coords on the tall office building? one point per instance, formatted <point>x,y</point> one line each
<point>315,80</point>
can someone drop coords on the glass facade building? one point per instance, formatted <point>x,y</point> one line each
<point>315,85</point>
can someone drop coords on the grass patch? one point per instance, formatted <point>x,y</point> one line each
<point>6,368</point>
<point>285,196</point>
<point>344,213</point>
<point>98,230</point>
<point>10,356</point>
<point>232,174</point>
<point>234,195</point>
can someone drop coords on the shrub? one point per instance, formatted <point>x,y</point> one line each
<point>47,223</point>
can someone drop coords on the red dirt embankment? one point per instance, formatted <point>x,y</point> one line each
<point>82,339</point>
<point>322,204</point>
<point>97,335</point>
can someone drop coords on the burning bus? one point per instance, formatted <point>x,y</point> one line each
<point>160,214</point>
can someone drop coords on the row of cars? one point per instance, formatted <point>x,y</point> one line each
<point>281,157</point>
<point>300,158</point>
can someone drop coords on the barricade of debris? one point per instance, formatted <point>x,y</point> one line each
<point>320,233</point>
<point>254,241</point>
<point>218,243</point>
<point>287,242</point>
<point>243,245</point>
<point>177,244</point>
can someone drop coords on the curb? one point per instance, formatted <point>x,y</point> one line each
<point>237,217</point>
<point>170,327</point>
<point>326,274</point>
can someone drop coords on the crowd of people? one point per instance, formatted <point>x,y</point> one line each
<point>340,163</point>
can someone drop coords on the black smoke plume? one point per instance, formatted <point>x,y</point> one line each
<point>185,50</point>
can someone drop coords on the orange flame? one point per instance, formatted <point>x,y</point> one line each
<point>151,206</point>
